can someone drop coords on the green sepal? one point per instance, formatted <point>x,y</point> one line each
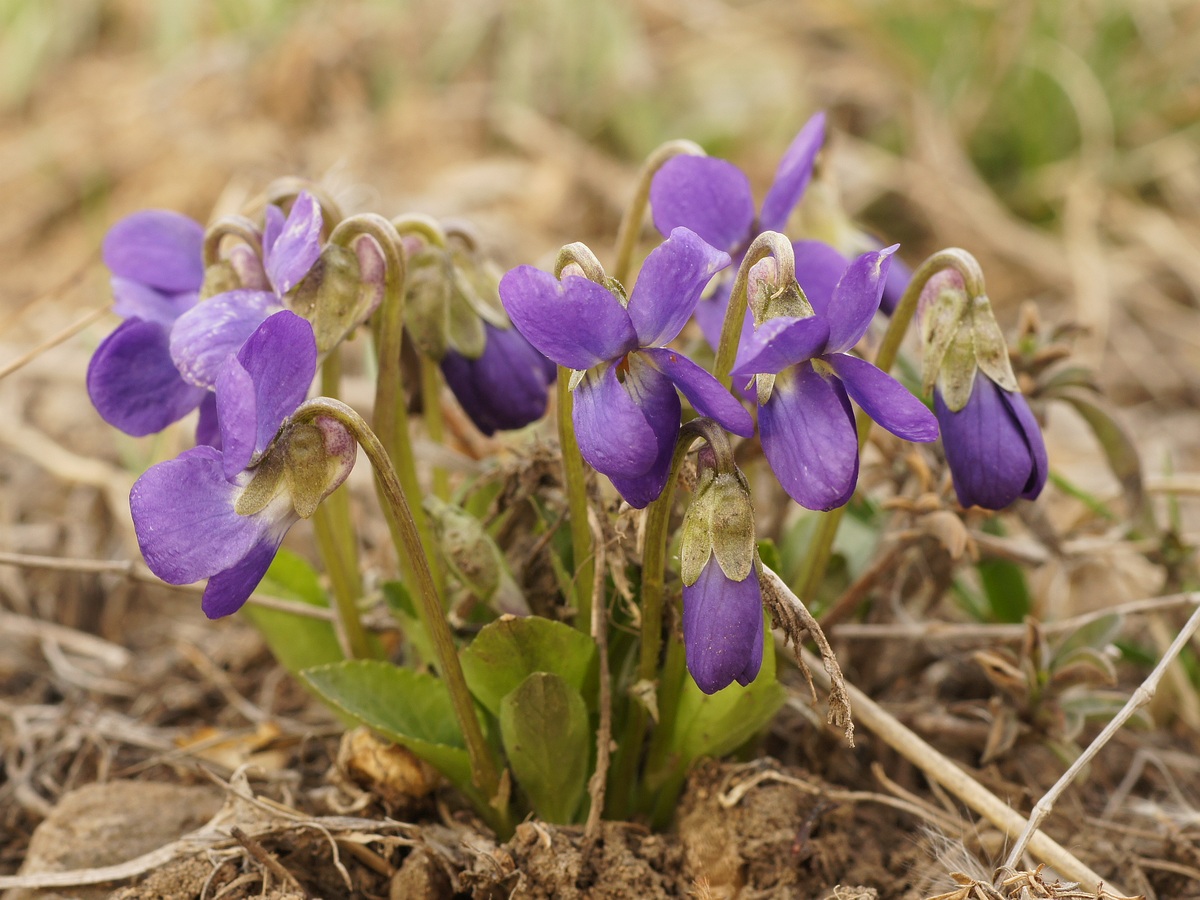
<point>991,349</point>
<point>544,729</point>
<point>509,650</point>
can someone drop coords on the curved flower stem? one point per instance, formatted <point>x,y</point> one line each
<point>485,773</point>
<point>631,222</point>
<point>431,402</point>
<point>574,470</point>
<point>821,547</point>
<point>769,243</point>
<point>338,544</point>
<point>425,227</point>
<point>654,563</point>
<point>390,413</point>
<point>230,226</point>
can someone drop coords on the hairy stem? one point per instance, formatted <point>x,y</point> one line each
<point>400,519</point>
<point>338,544</point>
<point>391,414</point>
<point>769,243</point>
<point>635,212</point>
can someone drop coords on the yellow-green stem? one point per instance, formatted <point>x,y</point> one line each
<point>399,514</point>
<point>769,243</point>
<point>390,413</point>
<point>631,222</point>
<point>431,402</point>
<point>820,549</point>
<point>575,479</point>
<point>338,543</point>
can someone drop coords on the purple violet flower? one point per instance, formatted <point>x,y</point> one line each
<point>805,419</point>
<point>712,197</point>
<point>722,599</point>
<point>993,446</point>
<point>723,628</point>
<point>507,387</point>
<point>156,261</point>
<point>222,514</point>
<point>203,338</point>
<point>626,410</point>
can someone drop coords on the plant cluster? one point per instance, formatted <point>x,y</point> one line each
<point>546,712</point>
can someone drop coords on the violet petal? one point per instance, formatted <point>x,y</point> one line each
<point>211,332</point>
<point>133,381</point>
<point>228,590</point>
<point>793,174</point>
<point>990,454</point>
<point>291,248</point>
<point>183,513</point>
<point>818,269</point>
<point>856,298</point>
<point>708,195</point>
<point>809,438</point>
<point>269,378</point>
<point>615,430</point>
<point>1029,426</point>
<point>886,401</point>
<point>507,387</point>
<point>208,427</point>
<point>779,343</point>
<point>722,628</point>
<point>134,300</point>
<point>669,285</point>
<point>157,247</point>
<point>577,323</point>
<point>703,391</point>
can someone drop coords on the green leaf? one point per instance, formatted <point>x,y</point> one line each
<point>1004,585</point>
<point>400,604</point>
<point>716,724</point>
<point>298,642</point>
<point>411,708</point>
<point>544,726</point>
<point>1119,448</point>
<point>511,649</point>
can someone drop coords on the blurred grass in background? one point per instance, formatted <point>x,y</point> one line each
<point>1026,86</point>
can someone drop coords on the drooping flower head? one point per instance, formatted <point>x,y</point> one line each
<point>222,514</point>
<point>455,317</point>
<point>993,443</point>
<point>626,410</point>
<point>156,262</point>
<point>712,197</point>
<point>800,354</point>
<point>722,599</point>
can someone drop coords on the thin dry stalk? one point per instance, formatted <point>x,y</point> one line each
<point>1140,697</point>
<point>51,342</point>
<point>599,779</point>
<point>940,768</point>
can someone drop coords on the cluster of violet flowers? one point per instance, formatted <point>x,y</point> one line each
<point>235,321</point>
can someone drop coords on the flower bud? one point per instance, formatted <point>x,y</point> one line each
<point>473,557</point>
<point>993,443</point>
<point>722,600</point>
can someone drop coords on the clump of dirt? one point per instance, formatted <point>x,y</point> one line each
<point>547,863</point>
<point>748,834</point>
